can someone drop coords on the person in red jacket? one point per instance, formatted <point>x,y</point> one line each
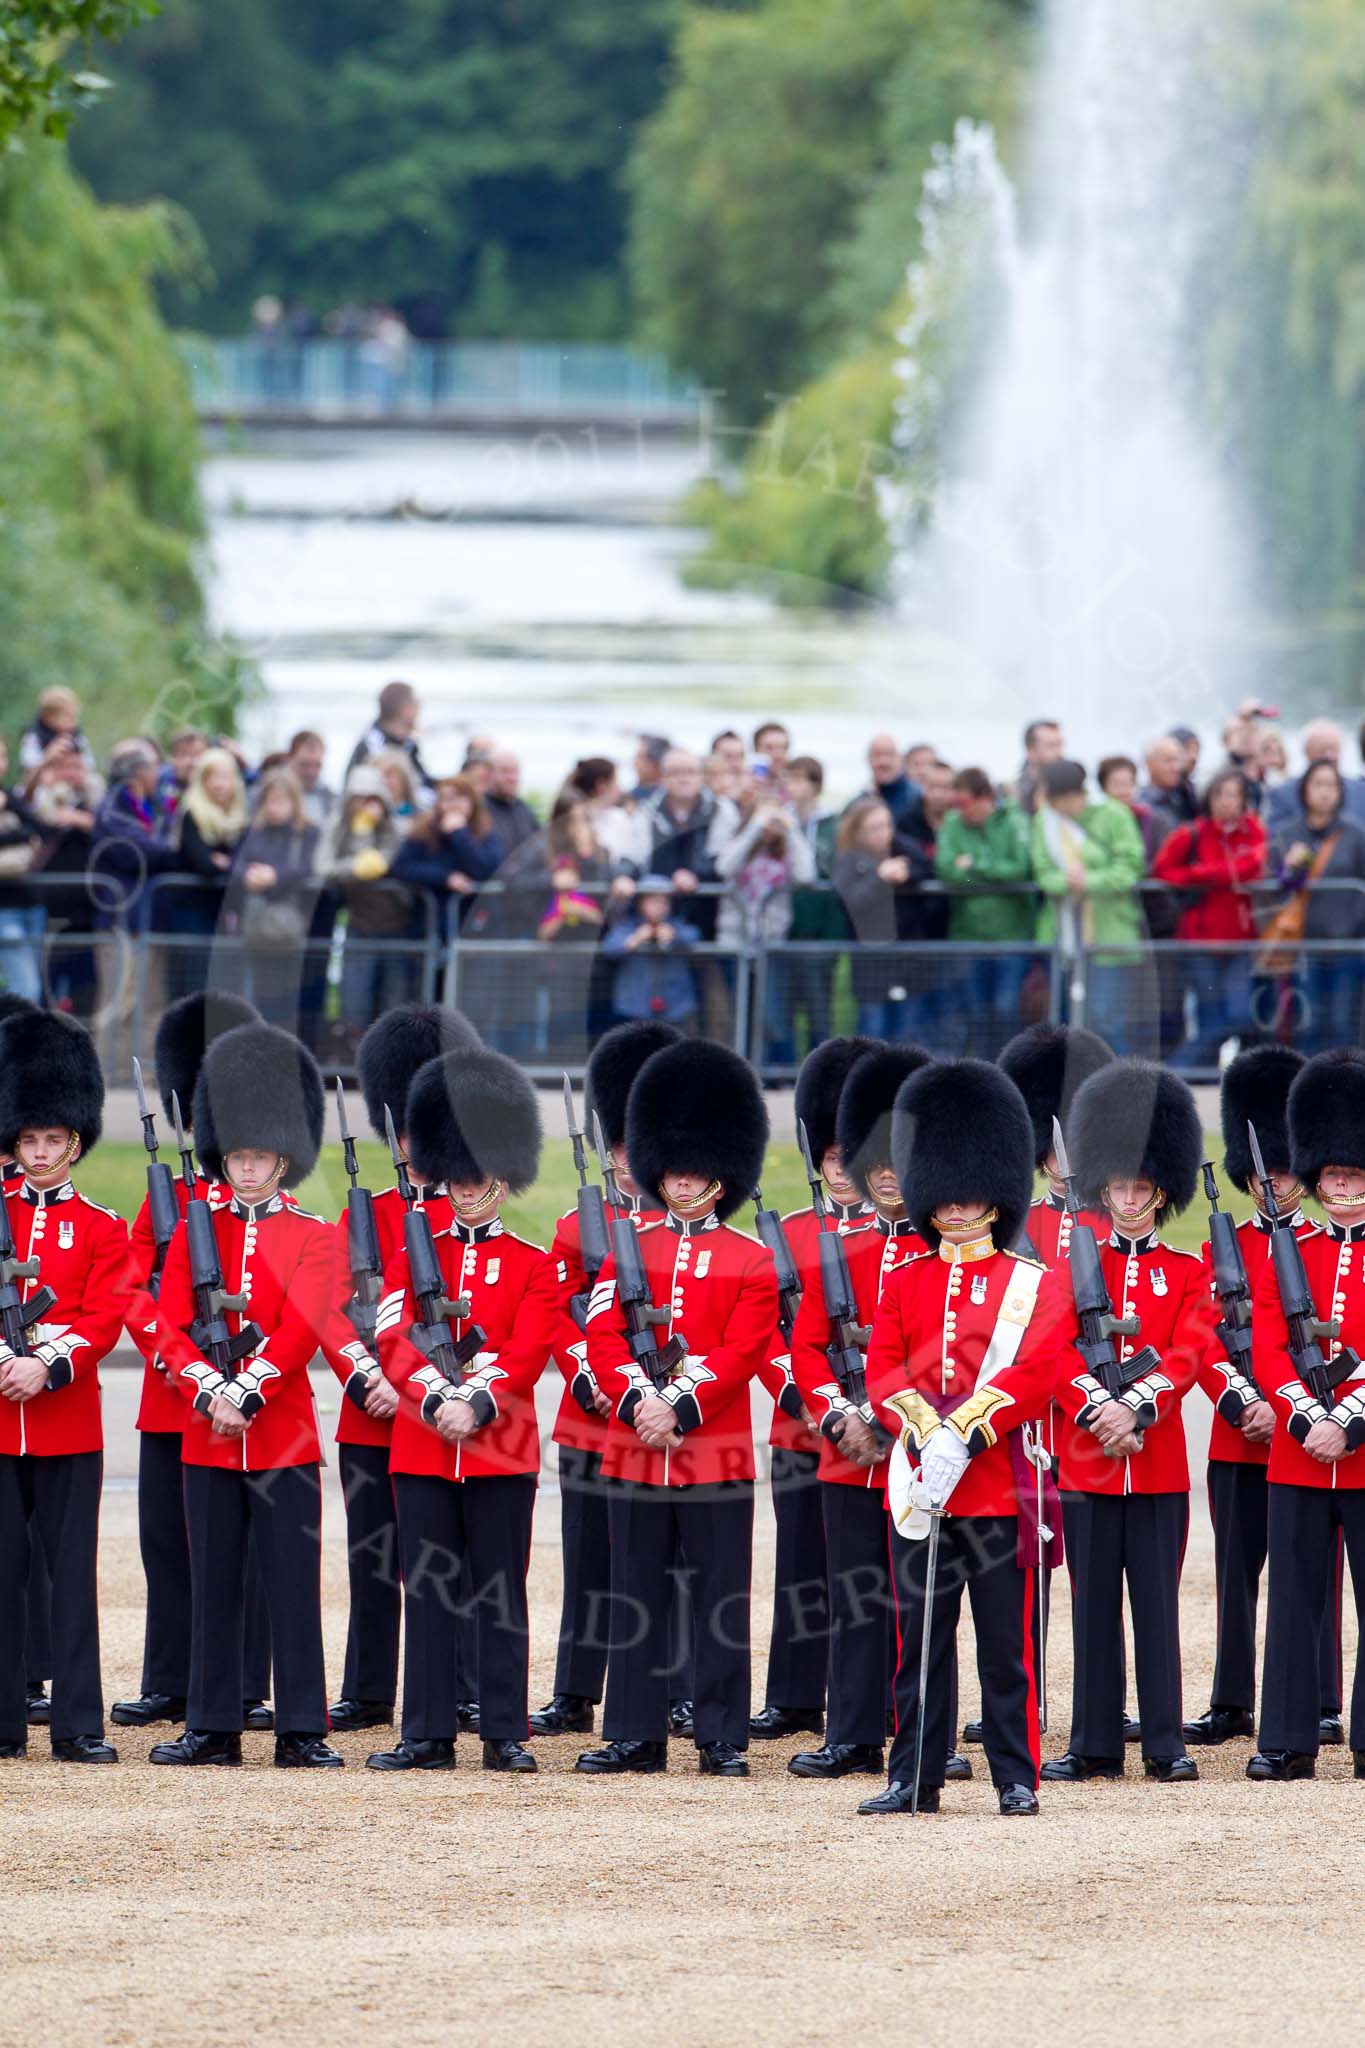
<point>183,1035</point>
<point>799,1645</point>
<point>1316,1478</point>
<point>1214,863</point>
<point>250,1452</point>
<point>1255,1089</point>
<point>968,1344</point>
<point>390,1055</point>
<point>580,1431</point>
<point>465,1455</point>
<point>853,1453</point>
<point>1123,1473</point>
<point>680,1446</point>
<point>51,1438</point>
<point>38,1644</point>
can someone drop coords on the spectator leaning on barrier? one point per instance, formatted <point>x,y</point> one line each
<point>1117,778</point>
<point>651,941</point>
<point>57,727</point>
<point>1324,845</point>
<point>870,868</point>
<point>1214,864</point>
<point>889,783</point>
<point>1088,862</point>
<point>209,824</point>
<point>817,914</point>
<point>451,849</point>
<point>22,916</point>
<point>1166,794</point>
<point>680,829</point>
<point>273,891</point>
<point>396,728</point>
<point>128,847</point>
<point>355,862</point>
<point>183,750</point>
<point>982,850</point>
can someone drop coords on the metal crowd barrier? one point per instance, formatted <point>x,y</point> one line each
<point>116,966</point>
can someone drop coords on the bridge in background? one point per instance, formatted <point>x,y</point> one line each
<point>499,386</point>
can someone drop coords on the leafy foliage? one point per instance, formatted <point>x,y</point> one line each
<point>41,76</point>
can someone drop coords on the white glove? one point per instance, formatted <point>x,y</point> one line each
<point>944,1461</point>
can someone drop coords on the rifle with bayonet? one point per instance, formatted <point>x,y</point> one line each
<point>162,1206</point>
<point>212,1303</point>
<point>768,1225</point>
<point>1306,1328</point>
<point>851,1337</point>
<point>182,1145</point>
<point>362,1241</point>
<point>1233,1289</point>
<point>431,1334</point>
<point>643,1319</point>
<point>1094,1311</point>
<point>18,1316</point>
<point>593,1237</point>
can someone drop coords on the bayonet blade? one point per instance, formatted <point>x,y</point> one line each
<point>142,1108</point>
<point>575,1128</point>
<point>342,1124</point>
<point>395,1150</point>
<point>600,1145</point>
<point>1059,1149</point>
<point>176,1119</point>
<point>1256,1157</point>
<point>1210,1184</point>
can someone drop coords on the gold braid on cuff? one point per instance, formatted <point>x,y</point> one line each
<point>972,1421</point>
<point>919,1418</point>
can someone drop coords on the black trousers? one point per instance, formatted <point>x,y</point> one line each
<point>56,1502</point>
<point>279,1515</point>
<point>584,1621</point>
<point>371,1670</point>
<point>465,1546</point>
<point>1306,1525</point>
<point>862,1612</point>
<point>165,1551</point>
<point>38,1633</point>
<point>1140,1538</point>
<point>1238,1509</point>
<point>798,1648</point>
<point>713,1528</point>
<point>975,1551</point>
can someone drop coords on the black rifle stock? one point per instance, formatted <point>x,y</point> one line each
<point>212,1304</point>
<point>362,1243</point>
<point>162,1207</point>
<point>1306,1328</point>
<point>593,1235</point>
<point>18,1316</point>
<point>850,1339</point>
<point>643,1319</point>
<point>431,1333</point>
<point>1233,1290</point>
<point>1099,1325</point>
<point>768,1225</point>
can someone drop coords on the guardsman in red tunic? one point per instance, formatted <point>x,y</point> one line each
<point>1136,1144</point>
<point>465,1455</point>
<point>393,1050</point>
<point>799,1647</point>
<point>966,1347</point>
<point>1255,1088</point>
<point>580,1431</point>
<point>853,1452</point>
<point>38,1643</point>
<point>51,1439</point>
<point>1316,1481</point>
<point>680,1449</point>
<point>183,1036</point>
<point>251,1454</point>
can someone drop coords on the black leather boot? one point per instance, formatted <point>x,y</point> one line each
<point>147,1710</point>
<point>568,1713</point>
<point>507,1756</point>
<point>897,1798</point>
<point>435,1755</point>
<point>346,1715</point>
<point>839,1760</point>
<point>198,1746</point>
<point>616,1758</point>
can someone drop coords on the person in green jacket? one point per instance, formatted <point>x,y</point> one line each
<point>982,849</point>
<point>1088,861</point>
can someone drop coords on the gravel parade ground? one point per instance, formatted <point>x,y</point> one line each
<point>146,1905</point>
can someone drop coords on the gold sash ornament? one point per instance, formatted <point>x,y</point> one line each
<point>1016,1313</point>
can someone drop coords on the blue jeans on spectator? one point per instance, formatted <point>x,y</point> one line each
<point>883,1019</point>
<point>1332,1003</point>
<point>1221,984</point>
<point>21,950</point>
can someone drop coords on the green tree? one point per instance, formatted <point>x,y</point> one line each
<point>45,48</point>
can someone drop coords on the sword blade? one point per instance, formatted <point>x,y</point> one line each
<point>926,1640</point>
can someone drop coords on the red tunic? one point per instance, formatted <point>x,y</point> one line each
<point>284,1261</point>
<point>1168,1291</point>
<point>514,1301</point>
<point>162,1407</point>
<point>1227,1445</point>
<point>83,1254</point>
<point>933,1327</point>
<point>354,1426</point>
<point>874,1255</point>
<point>574,1426</point>
<point>1336,1275</point>
<point>1050,1225</point>
<point>721,1293</point>
<point>787,1430</point>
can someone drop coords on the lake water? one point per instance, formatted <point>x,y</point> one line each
<point>530,589</point>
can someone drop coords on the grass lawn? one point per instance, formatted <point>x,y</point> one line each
<point>116,1176</point>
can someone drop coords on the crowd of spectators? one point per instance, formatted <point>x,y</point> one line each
<point>955,899</point>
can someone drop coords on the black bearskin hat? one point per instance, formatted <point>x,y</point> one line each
<point>1326,1115</point>
<point>259,1089</point>
<point>397,1045</point>
<point>49,1075</point>
<point>862,1127</point>
<point>1134,1121</point>
<point>697,1108</point>
<point>1256,1089</point>
<point>613,1063</point>
<point>474,1116</point>
<point>1047,1064</point>
<point>186,1031</point>
<point>961,1133</point>
<point>819,1085</point>
<point>12,1005</point>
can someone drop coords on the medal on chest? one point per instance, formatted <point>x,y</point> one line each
<point>1159,1280</point>
<point>978,1289</point>
<point>66,1234</point>
<point>491,1272</point>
